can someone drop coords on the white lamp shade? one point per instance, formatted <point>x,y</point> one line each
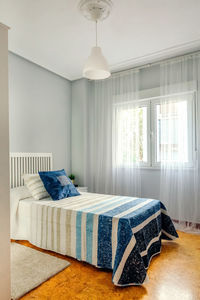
<point>96,66</point>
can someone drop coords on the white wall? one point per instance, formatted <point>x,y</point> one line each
<point>40,111</point>
<point>4,170</point>
<point>79,102</point>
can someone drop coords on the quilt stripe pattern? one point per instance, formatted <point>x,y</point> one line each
<point>114,232</point>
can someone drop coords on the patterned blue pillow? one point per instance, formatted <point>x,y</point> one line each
<point>58,185</point>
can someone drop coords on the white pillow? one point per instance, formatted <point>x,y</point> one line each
<point>35,186</point>
<point>19,193</point>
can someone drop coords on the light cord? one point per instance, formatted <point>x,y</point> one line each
<point>96,32</point>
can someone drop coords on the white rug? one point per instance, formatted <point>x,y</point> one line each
<point>30,268</point>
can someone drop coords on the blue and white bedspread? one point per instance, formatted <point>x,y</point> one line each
<point>113,232</point>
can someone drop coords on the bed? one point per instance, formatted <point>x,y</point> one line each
<point>108,231</point>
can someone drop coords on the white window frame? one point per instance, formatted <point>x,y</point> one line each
<point>139,104</point>
<point>190,98</point>
<point>150,103</point>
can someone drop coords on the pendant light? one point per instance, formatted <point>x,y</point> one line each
<point>96,66</point>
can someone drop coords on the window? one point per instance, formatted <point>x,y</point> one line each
<point>155,131</point>
<point>131,138</point>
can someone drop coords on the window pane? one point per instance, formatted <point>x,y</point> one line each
<point>131,135</point>
<point>172,131</point>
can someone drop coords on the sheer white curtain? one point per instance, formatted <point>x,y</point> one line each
<point>114,146</point>
<point>177,148</point>
<point>125,133</point>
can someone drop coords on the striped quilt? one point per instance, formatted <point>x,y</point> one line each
<point>118,233</point>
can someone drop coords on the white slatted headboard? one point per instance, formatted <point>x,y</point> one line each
<point>27,163</point>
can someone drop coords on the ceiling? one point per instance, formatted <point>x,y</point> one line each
<point>54,35</point>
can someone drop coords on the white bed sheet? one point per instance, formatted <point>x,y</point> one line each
<point>20,219</point>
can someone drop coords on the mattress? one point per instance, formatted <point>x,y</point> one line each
<point>114,232</point>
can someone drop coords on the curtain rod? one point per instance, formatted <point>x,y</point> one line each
<point>147,65</point>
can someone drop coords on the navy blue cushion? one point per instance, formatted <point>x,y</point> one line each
<point>58,185</point>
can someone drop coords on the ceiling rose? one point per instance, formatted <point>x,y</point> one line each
<point>96,66</point>
<point>95,10</point>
